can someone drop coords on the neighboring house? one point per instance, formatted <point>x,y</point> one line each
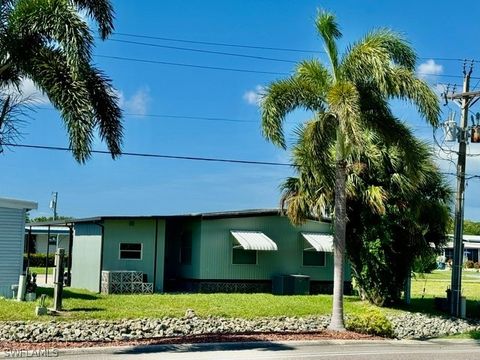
<point>46,240</point>
<point>471,245</point>
<point>12,229</point>
<point>212,252</point>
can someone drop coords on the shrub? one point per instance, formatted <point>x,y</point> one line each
<point>372,322</point>
<point>38,260</point>
<point>476,265</point>
<point>469,264</point>
<point>425,263</point>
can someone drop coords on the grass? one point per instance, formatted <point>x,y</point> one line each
<point>82,304</point>
<point>41,270</point>
<point>425,287</point>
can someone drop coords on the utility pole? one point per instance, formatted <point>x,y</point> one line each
<point>53,204</point>
<point>465,99</point>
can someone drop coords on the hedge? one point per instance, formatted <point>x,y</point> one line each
<point>38,260</point>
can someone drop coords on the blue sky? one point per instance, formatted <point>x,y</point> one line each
<point>160,186</point>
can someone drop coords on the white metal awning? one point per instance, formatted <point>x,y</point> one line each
<point>254,240</point>
<point>466,245</point>
<point>319,241</point>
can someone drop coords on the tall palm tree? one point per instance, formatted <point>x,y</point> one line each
<point>49,42</point>
<point>405,196</point>
<point>352,93</point>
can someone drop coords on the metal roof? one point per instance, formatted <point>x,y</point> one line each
<point>319,241</point>
<point>17,204</point>
<point>466,245</point>
<point>254,240</point>
<point>54,230</point>
<point>205,215</point>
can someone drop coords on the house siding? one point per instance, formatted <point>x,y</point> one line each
<point>135,231</point>
<point>86,259</point>
<point>12,225</point>
<point>217,243</point>
<point>41,243</point>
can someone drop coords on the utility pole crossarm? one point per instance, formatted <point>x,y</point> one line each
<point>460,96</point>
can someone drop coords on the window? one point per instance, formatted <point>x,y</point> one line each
<point>186,248</point>
<point>242,256</point>
<point>52,240</point>
<point>313,258</point>
<point>131,251</point>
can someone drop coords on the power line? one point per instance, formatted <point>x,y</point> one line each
<point>151,155</point>
<point>191,65</point>
<point>258,47</point>
<point>158,62</point>
<point>203,51</point>
<point>218,43</point>
<point>169,116</point>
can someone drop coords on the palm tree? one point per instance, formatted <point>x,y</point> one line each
<point>405,196</point>
<point>350,94</point>
<point>49,42</point>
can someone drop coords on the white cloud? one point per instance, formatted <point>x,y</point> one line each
<point>29,92</point>
<point>253,97</point>
<point>429,68</point>
<point>137,103</point>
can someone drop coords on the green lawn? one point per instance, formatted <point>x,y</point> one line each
<point>81,304</point>
<point>41,270</point>
<point>426,287</point>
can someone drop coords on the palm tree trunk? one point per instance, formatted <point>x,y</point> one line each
<point>337,322</point>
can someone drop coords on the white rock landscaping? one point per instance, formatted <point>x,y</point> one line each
<point>405,326</point>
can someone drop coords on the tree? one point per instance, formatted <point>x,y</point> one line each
<point>396,208</point>
<point>384,243</point>
<point>48,42</point>
<point>347,97</point>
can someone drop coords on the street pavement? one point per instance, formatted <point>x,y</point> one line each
<point>337,350</point>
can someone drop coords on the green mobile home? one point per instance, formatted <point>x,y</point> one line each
<point>211,252</point>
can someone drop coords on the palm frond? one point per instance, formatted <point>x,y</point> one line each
<point>104,102</point>
<point>101,11</point>
<point>55,21</point>
<point>374,56</point>
<point>375,197</point>
<point>68,94</point>
<point>313,72</point>
<point>329,30</point>
<point>344,101</point>
<point>402,83</point>
<point>282,97</point>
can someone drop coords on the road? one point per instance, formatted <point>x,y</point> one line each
<point>439,350</point>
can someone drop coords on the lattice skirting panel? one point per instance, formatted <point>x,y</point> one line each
<point>124,282</point>
<point>211,286</point>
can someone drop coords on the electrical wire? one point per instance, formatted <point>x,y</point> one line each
<point>259,47</point>
<point>151,155</point>
<point>170,116</point>
<point>207,67</point>
<point>158,62</point>
<point>217,43</point>
<point>204,51</point>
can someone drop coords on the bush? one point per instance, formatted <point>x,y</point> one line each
<point>38,260</point>
<point>425,264</point>
<point>469,264</point>
<point>372,322</point>
<point>476,265</point>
